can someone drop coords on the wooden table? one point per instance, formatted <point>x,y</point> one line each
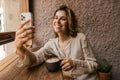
<point>9,71</point>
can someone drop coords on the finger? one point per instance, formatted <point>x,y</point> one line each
<point>65,65</point>
<point>67,68</point>
<point>30,32</point>
<point>64,61</point>
<point>24,29</point>
<point>23,24</point>
<point>25,34</point>
<point>24,40</point>
<point>19,42</point>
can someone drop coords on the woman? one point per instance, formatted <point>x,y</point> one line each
<point>78,61</point>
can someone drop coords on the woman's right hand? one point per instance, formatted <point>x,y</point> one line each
<point>23,34</point>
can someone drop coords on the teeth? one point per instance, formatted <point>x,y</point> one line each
<point>58,26</point>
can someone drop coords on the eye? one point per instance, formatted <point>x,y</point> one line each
<point>64,19</point>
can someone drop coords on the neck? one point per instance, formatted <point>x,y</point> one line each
<point>63,37</point>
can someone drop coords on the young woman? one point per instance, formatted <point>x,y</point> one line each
<point>78,61</point>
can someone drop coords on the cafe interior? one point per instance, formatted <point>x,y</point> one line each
<point>99,20</point>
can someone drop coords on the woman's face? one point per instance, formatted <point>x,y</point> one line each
<point>60,22</point>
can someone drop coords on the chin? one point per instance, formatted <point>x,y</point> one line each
<point>57,31</point>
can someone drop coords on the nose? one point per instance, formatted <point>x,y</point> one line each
<point>58,20</point>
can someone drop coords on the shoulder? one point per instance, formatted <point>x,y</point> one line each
<point>83,39</point>
<point>81,36</point>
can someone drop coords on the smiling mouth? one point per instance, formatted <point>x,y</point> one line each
<point>58,26</point>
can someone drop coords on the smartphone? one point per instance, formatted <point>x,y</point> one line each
<point>24,17</point>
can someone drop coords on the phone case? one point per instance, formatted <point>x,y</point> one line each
<point>24,17</point>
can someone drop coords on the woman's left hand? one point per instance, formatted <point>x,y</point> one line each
<point>67,64</point>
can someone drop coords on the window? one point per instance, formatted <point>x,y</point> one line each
<point>2,51</point>
<point>9,20</point>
